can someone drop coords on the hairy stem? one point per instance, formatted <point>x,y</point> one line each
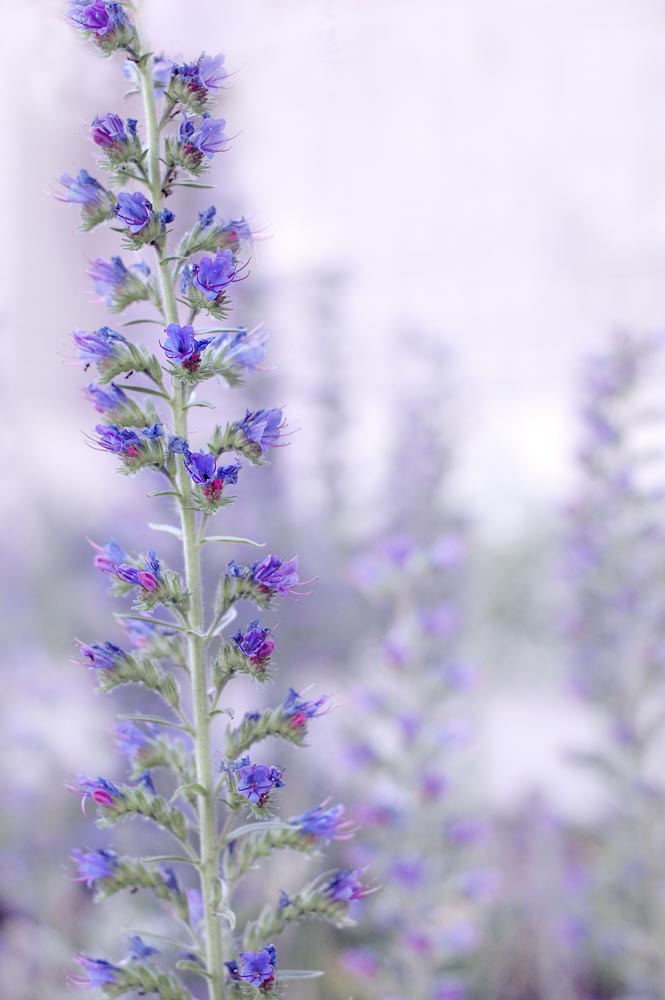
<point>209,852</point>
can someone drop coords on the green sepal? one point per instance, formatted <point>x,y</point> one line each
<point>271,722</point>
<point>243,855</point>
<point>140,802</point>
<point>129,357</point>
<point>143,978</point>
<point>129,669</point>
<point>310,904</point>
<point>132,874</point>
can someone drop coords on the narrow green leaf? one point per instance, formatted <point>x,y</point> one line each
<point>163,493</point>
<point>170,529</point>
<point>300,973</point>
<point>232,539</point>
<point>153,718</point>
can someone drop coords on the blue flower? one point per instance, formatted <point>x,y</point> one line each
<point>93,866</point>
<point>259,430</point>
<point>255,644</point>
<point>138,950</point>
<point>299,711</point>
<point>118,440</point>
<point>256,781</point>
<point>82,190</point>
<point>129,740</point>
<point>242,348</point>
<point>211,276</point>
<point>211,72</point>
<point>105,400</point>
<point>323,823</point>
<point>108,276</point>
<point>207,138</point>
<point>108,131</point>
<point>182,347</point>
<point>346,885</point>
<point>96,972</point>
<point>102,656</point>
<point>134,210</point>
<point>94,347</point>
<point>258,967</point>
<point>108,557</point>
<point>102,791</point>
<point>271,574</point>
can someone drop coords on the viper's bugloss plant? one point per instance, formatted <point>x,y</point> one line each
<point>616,552</point>
<point>409,751</point>
<point>219,807</point>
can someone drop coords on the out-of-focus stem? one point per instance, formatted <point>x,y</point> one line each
<point>208,847</point>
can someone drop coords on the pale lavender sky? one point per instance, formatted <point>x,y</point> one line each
<point>494,172</point>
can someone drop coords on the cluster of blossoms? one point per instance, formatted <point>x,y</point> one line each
<point>615,555</point>
<point>219,815</point>
<point>407,749</point>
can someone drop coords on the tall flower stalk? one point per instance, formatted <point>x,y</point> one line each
<point>616,552</point>
<point>219,809</point>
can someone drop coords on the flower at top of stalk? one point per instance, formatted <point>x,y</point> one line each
<point>96,972</point>
<point>324,822</point>
<point>106,22</point>
<point>102,656</point>
<point>108,130</point>
<point>346,885</point>
<point>204,139</point>
<point>182,347</point>
<point>100,790</point>
<point>256,781</point>
<point>95,347</point>
<point>93,866</point>
<point>257,432</point>
<point>106,399</point>
<point>298,711</point>
<point>271,574</point>
<point>241,348</point>
<point>134,210</point>
<point>255,643</point>
<point>256,967</point>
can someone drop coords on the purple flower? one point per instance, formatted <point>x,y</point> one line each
<point>102,656</point>
<point>242,348</point>
<point>82,190</point>
<point>258,967</point>
<point>203,470</point>
<point>256,643</point>
<point>134,210</point>
<point>129,740</point>
<point>105,399</point>
<point>138,949</point>
<point>108,130</point>
<point>346,885</point>
<point>207,139</point>
<point>149,577</point>
<point>261,428</point>
<point>93,347</point>
<point>211,72</point>
<point>96,972</point>
<point>108,277</point>
<point>108,557</point>
<point>118,440</point>
<point>100,790</point>
<point>182,347</point>
<point>93,866</point>
<point>211,276</point>
<point>323,822</point>
<point>256,781</point>
<point>451,989</point>
<point>271,574</point>
<point>299,711</point>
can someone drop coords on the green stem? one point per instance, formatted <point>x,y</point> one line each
<point>209,851</point>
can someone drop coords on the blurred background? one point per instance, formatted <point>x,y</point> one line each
<point>458,202</point>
